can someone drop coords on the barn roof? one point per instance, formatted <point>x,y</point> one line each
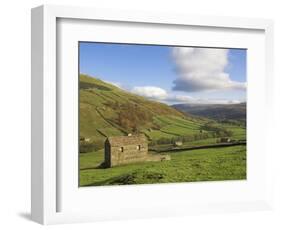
<point>127,140</point>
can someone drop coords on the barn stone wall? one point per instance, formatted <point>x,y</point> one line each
<point>125,150</point>
<point>128,154</point>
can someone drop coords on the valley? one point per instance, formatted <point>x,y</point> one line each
<point>107,110</point>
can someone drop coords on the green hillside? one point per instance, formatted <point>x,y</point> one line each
<point>106,110</point>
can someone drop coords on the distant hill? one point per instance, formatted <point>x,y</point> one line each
<point>219,112</point>
<point>106,110</point>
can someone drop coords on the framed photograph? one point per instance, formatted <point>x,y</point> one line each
<point>138,115</point>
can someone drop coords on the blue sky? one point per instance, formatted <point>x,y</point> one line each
<point>169,74</point>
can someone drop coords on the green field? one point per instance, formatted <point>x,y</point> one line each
<point>227,163</point>
<point>238,132</point>
<point>106,111</point>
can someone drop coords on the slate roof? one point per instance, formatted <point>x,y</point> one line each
<point>126,140</point>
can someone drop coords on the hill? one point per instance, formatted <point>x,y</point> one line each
<point>235,113</point>
<point>106,110</point>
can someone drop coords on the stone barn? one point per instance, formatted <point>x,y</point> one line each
<point>120,150</point>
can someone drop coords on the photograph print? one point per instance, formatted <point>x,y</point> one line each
<point>152,114</point>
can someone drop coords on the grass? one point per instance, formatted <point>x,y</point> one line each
<point>228,163</point>
<point>179,130</point>
<point>157,134</point>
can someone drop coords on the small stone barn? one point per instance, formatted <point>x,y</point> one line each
<point>125,149</point>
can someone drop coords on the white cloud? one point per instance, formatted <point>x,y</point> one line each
<point>202,69</point>
<point>161,95</point>
<point>150,92</point>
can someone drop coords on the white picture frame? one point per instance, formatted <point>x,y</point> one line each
<point>52,203</point>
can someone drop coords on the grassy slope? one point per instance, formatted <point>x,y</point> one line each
<point>101,103</point>
<point>197,165</point>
